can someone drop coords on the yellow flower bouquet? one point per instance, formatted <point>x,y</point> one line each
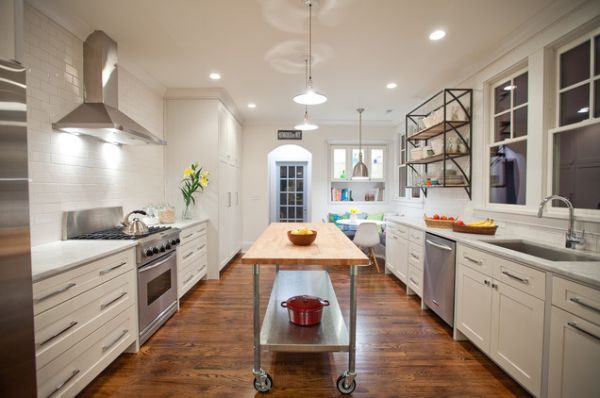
<point>194,179</point>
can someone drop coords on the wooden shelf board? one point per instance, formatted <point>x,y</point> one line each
<point>436,130</point>
<point>438,158</point>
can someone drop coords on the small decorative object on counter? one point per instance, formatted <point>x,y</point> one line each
<point>302,236</point>
<point>353,213</point>
<point>305,310</point>
<point>166,214</point>
<point>194,179</point>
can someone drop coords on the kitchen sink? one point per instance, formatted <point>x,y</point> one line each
<point>542,251</point>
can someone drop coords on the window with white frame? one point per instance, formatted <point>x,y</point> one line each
<point>575,142</point>
<point>404,173</point>
<point>508,139</point>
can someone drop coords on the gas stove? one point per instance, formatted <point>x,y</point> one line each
<point>99,224</point>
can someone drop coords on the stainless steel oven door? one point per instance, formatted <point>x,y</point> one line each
<point>157,294</point>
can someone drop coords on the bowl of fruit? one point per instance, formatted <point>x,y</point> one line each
<point>437,221</point>
<point>302,236</point>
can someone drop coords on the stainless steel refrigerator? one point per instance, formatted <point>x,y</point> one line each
<point>17,349</point>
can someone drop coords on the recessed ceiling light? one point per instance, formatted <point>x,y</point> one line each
<point>214,76</point>
<point>252,105</point>
<point>437,35</point>
<point>509,87</point>
<point>584,110</point>
<point>391,85</point>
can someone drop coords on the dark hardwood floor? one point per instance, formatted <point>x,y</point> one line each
<point>205,350</point>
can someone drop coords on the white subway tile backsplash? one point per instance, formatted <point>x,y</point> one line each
<point>76,172</point>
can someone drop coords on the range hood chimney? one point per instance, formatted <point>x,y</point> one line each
<point>99,115</point>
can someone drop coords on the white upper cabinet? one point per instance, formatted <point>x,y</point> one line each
<point>230,138</point>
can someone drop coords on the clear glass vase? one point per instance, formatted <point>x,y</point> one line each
<point>187,212</point>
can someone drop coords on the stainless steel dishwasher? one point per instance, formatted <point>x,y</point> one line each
<point>438,284</point>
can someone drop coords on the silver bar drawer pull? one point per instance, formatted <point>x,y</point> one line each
<point>56,292</point>
<point>478,262</point>
<point>443,247</point>
<point>202,247</point>
<point>517,278</point>
<point>106,271</point>
<point>414,256</point>
<point>115,341</point>
<point>414,281</point>
<point>188,236</point>
<point>582,303</point>
<point>187,255</point>
<point>49,339</point>
<point>64,383</point>
<point>188,279</point>
<point>575,326</point>
<point>111,302</point>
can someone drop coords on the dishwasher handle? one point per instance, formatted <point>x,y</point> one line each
<point>443,247</point>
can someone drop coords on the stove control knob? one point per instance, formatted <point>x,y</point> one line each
<point>168,246</point>
<point>162,249</point>
<point>149,252</point>
<point>173,242</point>
<point>178,240</point>
<point>155,250</point>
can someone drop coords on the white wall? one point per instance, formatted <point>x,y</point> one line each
<point>70,172</point>
<point>536,54</point>
<point>259,140</point>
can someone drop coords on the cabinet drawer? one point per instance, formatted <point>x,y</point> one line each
<point>191,253</point>
<point>399,230</point>
<point>190,233</point>
<point>520,277</point>
<point>415,279</point>
<point>57,289</point>
<point>475,259</point>
<point>416,236</point>
<point>577,299</point>
<point>415,255</point>
<point>76,367</point>
<point>191,276</point>
<point>66,324</point>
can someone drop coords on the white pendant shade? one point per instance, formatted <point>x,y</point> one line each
<point>306,125</point>
<point>310,97</point>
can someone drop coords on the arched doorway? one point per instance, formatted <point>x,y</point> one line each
<point>290,172</point>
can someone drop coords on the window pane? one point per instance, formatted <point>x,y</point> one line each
<point>502,97</point>
<point>597,55</point>
<point>291,198</point>
<point>299,172</point>
<point>376,163</point>
<point>502,127</point>
<point>282,199</point>
<point>339,163</point>
<point>299,213</point>
<point>520,89</point>
<point>282,186</point>
<point>508,173</point>
<point>283,171</point>
<point>291,185</point>
<point>402,182</point>
<point>577,166</point>
<point>575,65</point>
<point>299,185</point>
<point>355,156</point>
<point>520,122</point>
<point>299,199</point>
<point>574,105</point>
<point>282,213</point>
<point>597,98</point>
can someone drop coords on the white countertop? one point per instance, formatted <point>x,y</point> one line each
<point>56,257</point>
<point>53,258</point>
<point>586,272</point>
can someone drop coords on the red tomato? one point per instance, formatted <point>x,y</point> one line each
<point>436,216</point>
<point>460,222</point>
<point>443,218</point>
<point>451,218</point>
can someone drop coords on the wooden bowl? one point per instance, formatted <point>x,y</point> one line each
<point>302,240</point>
<point>431,223</point>
<point>491,230</point>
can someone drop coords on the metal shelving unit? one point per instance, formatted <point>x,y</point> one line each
<point>462,129</point>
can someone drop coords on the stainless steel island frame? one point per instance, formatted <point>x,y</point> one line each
<point>277,333</point>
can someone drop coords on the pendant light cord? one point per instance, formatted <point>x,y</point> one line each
<point>310,41</point>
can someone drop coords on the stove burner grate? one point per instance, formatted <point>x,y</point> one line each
<point>117,234</point>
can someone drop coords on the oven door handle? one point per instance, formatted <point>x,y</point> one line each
<point>158,264</point>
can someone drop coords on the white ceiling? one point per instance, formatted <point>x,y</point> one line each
<point>258,46</point>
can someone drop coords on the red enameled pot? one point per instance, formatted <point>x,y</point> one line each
<point>305,310</point>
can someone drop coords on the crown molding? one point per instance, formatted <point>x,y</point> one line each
<point>206,93</point>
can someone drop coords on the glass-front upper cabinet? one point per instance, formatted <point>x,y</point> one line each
<point>343,158</point>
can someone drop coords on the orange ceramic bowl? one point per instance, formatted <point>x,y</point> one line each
<point>302,240</point>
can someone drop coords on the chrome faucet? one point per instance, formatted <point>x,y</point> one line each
<point>572,238</point>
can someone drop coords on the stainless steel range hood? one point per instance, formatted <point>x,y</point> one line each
<point>99,115</point>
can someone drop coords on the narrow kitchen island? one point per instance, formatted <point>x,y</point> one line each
<point>331,248</point>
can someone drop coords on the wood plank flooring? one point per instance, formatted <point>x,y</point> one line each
<point>205,350</point>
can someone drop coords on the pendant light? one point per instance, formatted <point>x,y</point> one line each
<point>310,96</point>
<point>360,171</point>
<point>306,125</point>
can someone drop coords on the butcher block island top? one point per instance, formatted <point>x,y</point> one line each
<point>331,247</point>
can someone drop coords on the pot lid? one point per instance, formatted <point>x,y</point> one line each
<point>306,303</point>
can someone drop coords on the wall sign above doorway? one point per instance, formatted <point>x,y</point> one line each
<point>289,134</point>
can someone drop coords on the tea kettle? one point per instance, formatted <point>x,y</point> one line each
<point>136,227</point>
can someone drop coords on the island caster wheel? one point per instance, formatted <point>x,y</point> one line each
<point>343,388</point>
<point>264,387</point>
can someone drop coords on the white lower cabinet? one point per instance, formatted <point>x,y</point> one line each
<point>505,322</point>
<point>574,341</point>
<point>396,256</point>
<point>192,257</point>
<point>84,319</point>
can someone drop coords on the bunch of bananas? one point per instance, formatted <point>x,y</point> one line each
<point>488,222</point>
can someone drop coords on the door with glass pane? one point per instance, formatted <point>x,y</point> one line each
<point>291,191</point>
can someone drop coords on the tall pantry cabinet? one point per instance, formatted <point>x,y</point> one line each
<point>203,130</point>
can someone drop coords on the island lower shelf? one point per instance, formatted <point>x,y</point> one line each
<point>279,334</point>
